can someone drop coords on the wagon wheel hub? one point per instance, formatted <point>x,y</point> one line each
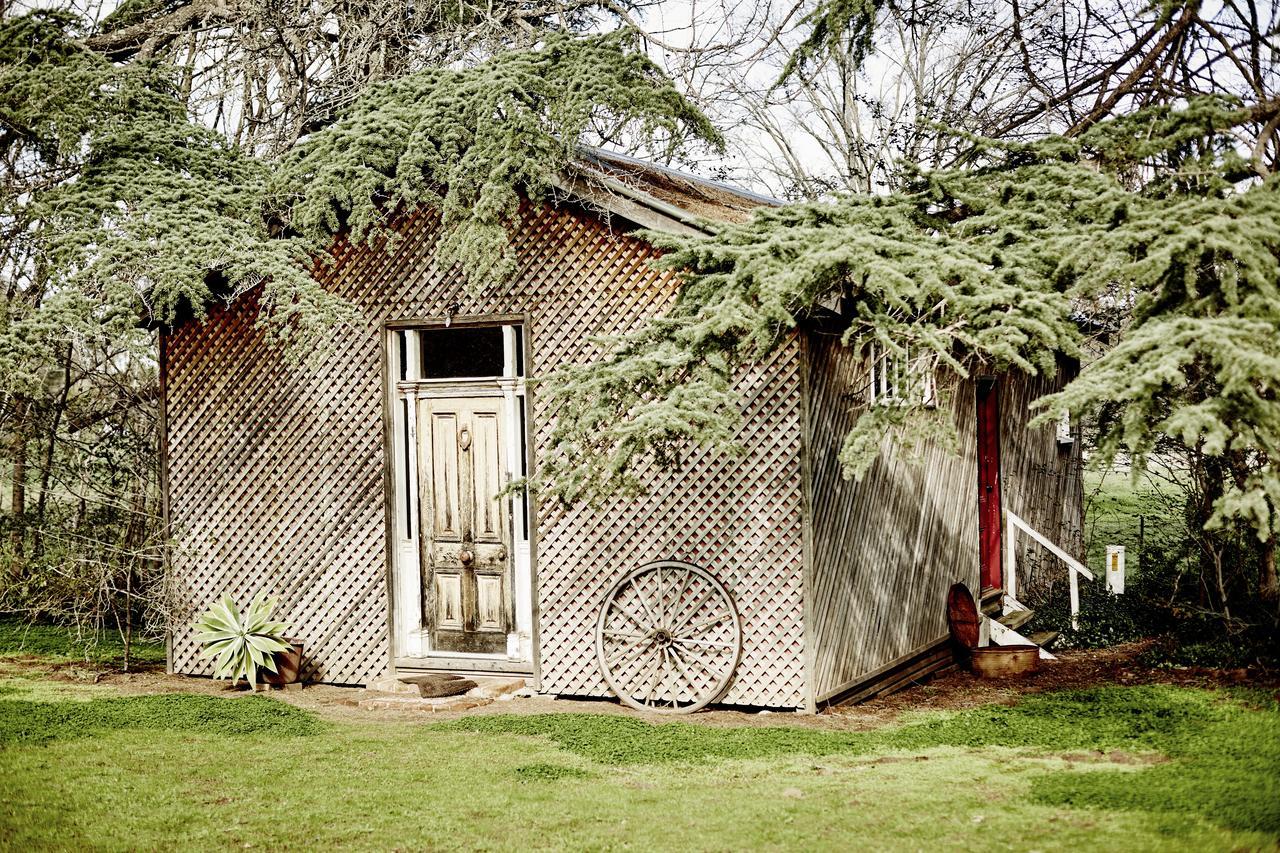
<point>668,638</point>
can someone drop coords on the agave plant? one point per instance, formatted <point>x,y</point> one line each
<point>241,643</point>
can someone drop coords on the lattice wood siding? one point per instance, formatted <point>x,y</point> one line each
<point>276,473</point>
<point>885,550</point>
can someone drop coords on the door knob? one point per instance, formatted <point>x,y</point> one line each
<point>466,556</point>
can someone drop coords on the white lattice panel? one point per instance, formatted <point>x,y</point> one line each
<point>276,473</point>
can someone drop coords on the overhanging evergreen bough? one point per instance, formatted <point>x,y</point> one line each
<point>989,268</point>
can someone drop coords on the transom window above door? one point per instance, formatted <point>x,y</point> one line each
<point>458,352</point>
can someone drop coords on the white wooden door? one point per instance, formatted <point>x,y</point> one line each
<point>466,541</point>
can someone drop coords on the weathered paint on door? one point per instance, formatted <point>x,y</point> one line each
<point>989,483</point>
<point>466,552</point>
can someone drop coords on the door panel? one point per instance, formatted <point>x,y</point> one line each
<point>446,523</point>
<point>465,543</point>
<point>489,602</point>
<point>448,601</point>
<point>488,478</point>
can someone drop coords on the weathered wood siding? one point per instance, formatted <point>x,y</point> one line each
<point>885,550</point>
<point>1041,481</point>
<point>276,473</point>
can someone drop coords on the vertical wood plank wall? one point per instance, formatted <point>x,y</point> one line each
<point>886,550</point>
<point>1041,481</point>
<point>276,472</point>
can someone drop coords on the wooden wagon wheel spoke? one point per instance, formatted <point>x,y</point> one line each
<point>640,623</point>
<point>676,671</point>
<point>711,663</point>
<point>684,671</point>
<point>650,621</point>
<point>705,644</point>
<point>707,623</point>
<point>676,659</point>
<point>684,585</point>
<point>657,676</point>
<point>667,696</point>
<point>662,603</point>
<point>696,659</point>
<point>692,612</point>
<point>629,635</point>
<point>621,654</point>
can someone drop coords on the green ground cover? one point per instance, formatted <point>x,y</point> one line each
<point>1144,768</point>
<point>65,644</point>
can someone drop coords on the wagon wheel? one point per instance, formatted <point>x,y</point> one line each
<point>668,638</point>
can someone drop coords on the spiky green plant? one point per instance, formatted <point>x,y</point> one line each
<point>241,643</point>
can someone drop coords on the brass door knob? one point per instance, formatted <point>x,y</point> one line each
<point>466,557</point>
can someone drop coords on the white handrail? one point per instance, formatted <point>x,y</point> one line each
<point>1014,523</point>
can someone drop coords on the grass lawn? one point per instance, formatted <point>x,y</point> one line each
<point>1137,768</point>
<point>1143,515</point>
<point>63,645</point>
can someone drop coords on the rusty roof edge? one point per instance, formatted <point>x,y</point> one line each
<point>597,189</point>
<point>606,158</point>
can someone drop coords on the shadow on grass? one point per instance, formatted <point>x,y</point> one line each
<point>1225,755</point>
<point>550,773</point>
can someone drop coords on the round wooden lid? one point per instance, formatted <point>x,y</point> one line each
<point>962,616</point>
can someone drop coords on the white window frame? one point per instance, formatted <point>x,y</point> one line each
<point>902,380</point>
<point>1064,434</point>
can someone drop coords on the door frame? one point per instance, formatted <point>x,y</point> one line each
<point>407,646</point>
<point>990,516</point>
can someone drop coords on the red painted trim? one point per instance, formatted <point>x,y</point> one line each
<point>989,516</point>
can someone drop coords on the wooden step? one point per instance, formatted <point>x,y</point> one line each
<point>1016,619</point>
<point>991,601</point>
<point>1044,639</point>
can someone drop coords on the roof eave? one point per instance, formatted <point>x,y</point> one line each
<point>607,193</point>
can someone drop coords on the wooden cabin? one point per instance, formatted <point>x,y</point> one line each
<point>365,492</point>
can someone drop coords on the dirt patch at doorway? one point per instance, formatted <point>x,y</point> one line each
<point>952,690</point>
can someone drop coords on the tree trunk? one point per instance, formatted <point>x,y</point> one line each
<point>128,617</point>
<point>1268,584</point>
<point>18,460</point>
<point>42,501</point>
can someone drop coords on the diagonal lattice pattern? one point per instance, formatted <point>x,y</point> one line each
<point>276,472</point>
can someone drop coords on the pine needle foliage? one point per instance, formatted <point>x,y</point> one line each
<point>836,27</point>
<point>1197,366</point>
<point>117,202</point>
<point>989,268</point>
<point>120,204</point>
<point>472,141</point>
